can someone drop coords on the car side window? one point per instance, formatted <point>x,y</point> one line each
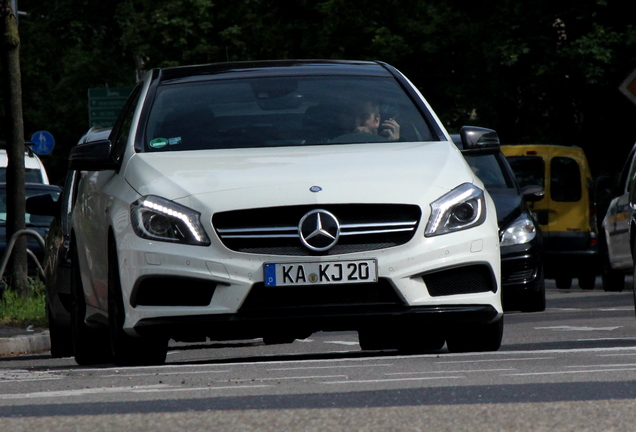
<point>121,130</point>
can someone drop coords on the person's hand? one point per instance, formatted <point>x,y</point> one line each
<point>390,129</point>
<point>365,130</point>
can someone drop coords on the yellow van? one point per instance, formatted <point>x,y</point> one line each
<point>566,213</point>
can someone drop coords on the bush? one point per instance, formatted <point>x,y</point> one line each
<point>19,311</point>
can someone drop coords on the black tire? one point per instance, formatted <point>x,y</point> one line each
<point>61,337</point>
<point>90,345</point>
<point>128,350</point>
<point>612,280</point>
<point>563,282</point>
<point>476,338</point>
<point>587,281</point>
<point>534,301</point>
<point>634,275</point>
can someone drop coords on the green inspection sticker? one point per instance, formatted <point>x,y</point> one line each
<point>158,143</point>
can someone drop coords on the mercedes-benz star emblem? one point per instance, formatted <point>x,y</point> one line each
<point>319,230</point>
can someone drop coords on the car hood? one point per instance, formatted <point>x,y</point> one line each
<point>264,177</point>
<point>509,205</point>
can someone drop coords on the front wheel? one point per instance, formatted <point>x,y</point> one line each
<point>612,280</point>
<point>485,337</point>
<point>60,336</point>
<point>128,350</point>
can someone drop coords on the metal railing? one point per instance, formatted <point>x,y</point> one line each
<point>11,244</point>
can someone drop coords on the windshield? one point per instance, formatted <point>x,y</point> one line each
<point>529,170</point>
<point>30,220</point>
<point>278,112</point>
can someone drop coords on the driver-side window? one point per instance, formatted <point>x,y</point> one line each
<point>124,123</point>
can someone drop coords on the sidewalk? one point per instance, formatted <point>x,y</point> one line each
<point>16,341</point>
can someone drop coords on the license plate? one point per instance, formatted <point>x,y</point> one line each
<point>321,273</point>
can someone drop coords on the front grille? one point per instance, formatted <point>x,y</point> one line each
<point>297,298</point>
<point>274,230</point>
<point>172,291</point>
<point>461,280</point>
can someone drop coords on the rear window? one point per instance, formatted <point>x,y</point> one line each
<point>30,175</point>
<point>529,170</point>
<point>288,111</point>
<point>565,180</point>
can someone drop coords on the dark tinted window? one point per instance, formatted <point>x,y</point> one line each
<point>565,179</point>
<point>489,171</point>
<point>31,220</point>
<point>529,170</point>
<point>274,112</point>
<point>31,175</point>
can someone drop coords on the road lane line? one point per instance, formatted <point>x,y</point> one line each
<point>376,381</point>
<point>570,372</point>
<point>456,371</point>
<point>496,360</point>
<point>331,367</point>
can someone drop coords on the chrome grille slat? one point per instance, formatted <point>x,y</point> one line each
<point>275,230</point>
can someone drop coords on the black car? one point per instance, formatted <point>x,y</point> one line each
<point>57,264</point>
<point>37,223</point>
<point>520,237</point>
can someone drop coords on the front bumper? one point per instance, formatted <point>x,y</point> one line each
<point>303,322</point>
<point>521,268</point>
<point>183,290</point>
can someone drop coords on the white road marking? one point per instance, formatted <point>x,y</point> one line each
<point>575,328</point>
<point>604,365</point>
<point>561,372</point>
<point>454,371</point>
<point>114,390</point>
<point>498,360</point>
<point>331,367</point>
<point>341,342</point>
<point>392,380</point>
<point>291,378</point>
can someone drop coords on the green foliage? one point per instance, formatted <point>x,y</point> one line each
<point>19,311</point>
<point>542,71</point>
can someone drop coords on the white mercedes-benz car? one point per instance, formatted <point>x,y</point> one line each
<point>276,199</point>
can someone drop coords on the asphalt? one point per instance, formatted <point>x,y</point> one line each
<point>15,341</point>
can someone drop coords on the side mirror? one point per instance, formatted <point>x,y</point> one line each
<point>473,139</point>
<point>92,156</point>
<point>42,205</point>
<point>532,193</point>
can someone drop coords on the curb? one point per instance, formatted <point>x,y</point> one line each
<point>20,345</point>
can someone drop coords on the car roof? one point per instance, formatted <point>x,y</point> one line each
<point>275,68</point>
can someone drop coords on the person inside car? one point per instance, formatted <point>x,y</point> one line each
<point>365,118</point>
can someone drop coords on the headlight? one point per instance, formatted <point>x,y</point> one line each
<point>521,231</point>
<point>463,207</point>
<point>157,218</point>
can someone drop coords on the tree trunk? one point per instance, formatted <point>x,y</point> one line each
<point>10,53</point>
